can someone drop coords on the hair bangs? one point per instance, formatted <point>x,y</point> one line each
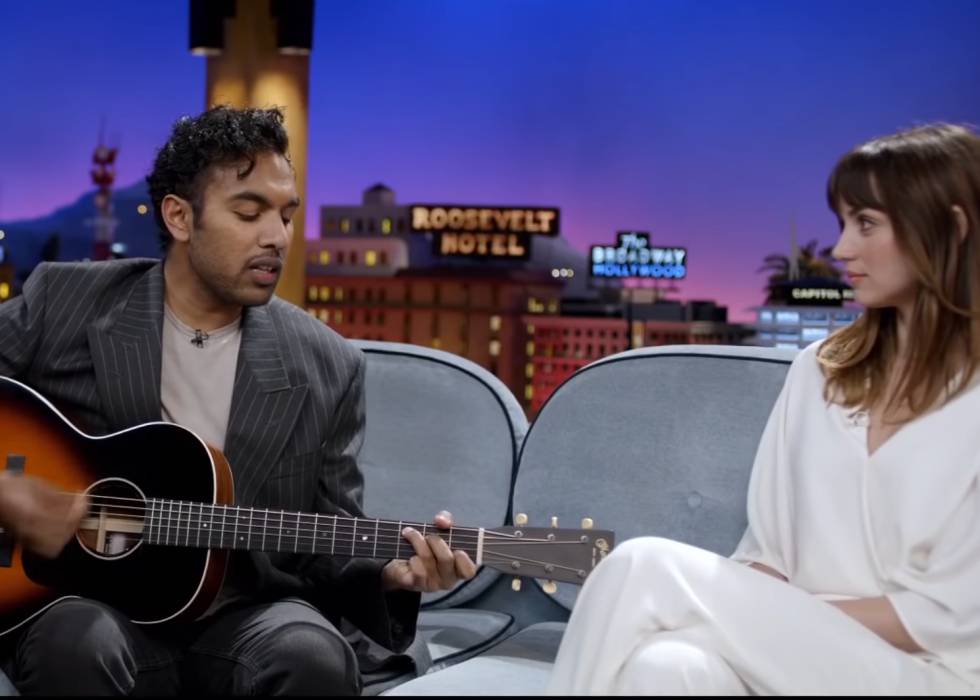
<point>853,183</point>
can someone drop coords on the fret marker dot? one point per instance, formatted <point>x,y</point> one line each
<point>363,538</point>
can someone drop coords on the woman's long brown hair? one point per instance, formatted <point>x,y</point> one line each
<point>916,177</point>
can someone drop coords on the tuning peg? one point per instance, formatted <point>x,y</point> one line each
<point>515,585</point>
<point>520,519</point>
<point>550,587</point>
<point>554,521</point>
<point>587,523</point>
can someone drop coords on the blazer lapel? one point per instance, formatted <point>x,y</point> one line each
<point>264,407</point>
<point>125,347</point>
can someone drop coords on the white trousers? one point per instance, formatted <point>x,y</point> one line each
<point>658,617</point>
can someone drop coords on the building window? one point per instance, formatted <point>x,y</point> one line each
<point>495,323</point>
<point>494,348</point>
<point>552,307</point>
<point>367,317</point>
<point>811,334</point>
<point>436,343</point>
<point>339,293</point>
<point>338,316</point>
<point>360,225</point>
<point>324,315</point>
<point>324,293</point>
<point>529,392</point>
<point>529,370</point>
<point>340,257</point>
<point>370,225</point>
<point>370,258</point>
<point>381,318</point>
<point>353,257</point>
<point>353,295</point>
<point>324,257</point>
<point>312,294</point>
<point>529,348</point>
<point>530,329</point>
<point>368,295</point>
<point>534,306</point>
<point>331,224</point>
<point>401,225</point>
<point>381,295</point>
<point>386,226</point>
<point>344,225</point>
<point>383,258</point>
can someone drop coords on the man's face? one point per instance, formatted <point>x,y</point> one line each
<point>238,244</point>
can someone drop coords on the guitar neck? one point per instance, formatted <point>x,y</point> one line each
<point>182,524</point>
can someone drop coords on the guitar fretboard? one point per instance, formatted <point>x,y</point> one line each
<point>183,524</point>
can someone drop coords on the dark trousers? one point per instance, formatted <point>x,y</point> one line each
<point>82,647</point>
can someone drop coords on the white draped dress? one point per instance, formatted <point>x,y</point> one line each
<point>660,617</point>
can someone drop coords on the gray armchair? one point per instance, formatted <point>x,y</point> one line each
<point>655,441</point>
<point>441,432</point>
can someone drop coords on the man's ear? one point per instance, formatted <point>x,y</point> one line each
<point>178,215</point>
<point>962,223</point>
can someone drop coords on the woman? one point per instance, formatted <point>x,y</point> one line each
<point>859,571</point>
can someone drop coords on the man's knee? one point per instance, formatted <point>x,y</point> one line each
<point>309,659</point>
<point>79,641</point>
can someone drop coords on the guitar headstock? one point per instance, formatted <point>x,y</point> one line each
<point>552,553</point>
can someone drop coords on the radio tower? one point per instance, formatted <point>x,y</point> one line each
<point>103,175</point>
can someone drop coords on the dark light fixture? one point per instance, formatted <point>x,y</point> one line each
<point>207,30</point>
<point>295,26</point>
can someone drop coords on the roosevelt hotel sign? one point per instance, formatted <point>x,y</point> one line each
<point>484,232</point>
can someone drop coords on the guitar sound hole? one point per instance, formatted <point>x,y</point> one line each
<point>113,527</point>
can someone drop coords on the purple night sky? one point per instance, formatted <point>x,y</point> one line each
<point>712,124</point>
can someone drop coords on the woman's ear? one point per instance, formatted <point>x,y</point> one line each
<point>178,217</point>
<point>962,223</point>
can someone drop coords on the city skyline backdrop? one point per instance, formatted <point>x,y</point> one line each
<point>712,125</point>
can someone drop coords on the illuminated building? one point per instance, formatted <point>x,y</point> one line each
<point>7,273</point>
<point>473,312</point>
<point>806,310</point>
<point>496,285</point>
<point>564,344</point>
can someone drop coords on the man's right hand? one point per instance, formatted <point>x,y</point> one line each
<point>41,517</point>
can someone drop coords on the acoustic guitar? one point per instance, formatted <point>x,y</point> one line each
<point>162,522</point>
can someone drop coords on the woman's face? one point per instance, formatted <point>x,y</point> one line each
<point>877,269</point>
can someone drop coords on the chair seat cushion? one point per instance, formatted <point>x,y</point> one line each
<point>457,634</point>
<point>520,665</point>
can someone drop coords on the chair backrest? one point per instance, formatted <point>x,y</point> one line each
<point>441,433</point>
<point>654,441</point>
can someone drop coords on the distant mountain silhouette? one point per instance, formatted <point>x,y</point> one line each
<point>26,238</point>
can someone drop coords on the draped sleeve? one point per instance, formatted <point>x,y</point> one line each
<point>938,579</point>
<point>768,538</point>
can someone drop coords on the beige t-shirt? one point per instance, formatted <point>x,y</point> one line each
<point>197,376</point>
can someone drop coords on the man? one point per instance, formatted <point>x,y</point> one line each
<point>200,340</point>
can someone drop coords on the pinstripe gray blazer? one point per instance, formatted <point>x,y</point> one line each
<point>88,337</point>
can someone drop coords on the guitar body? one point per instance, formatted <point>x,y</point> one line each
<point>157,460</point>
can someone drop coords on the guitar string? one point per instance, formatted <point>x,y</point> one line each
<point>460,534</point>
<point>323,531</point>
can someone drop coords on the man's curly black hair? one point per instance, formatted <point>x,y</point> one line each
<point>219,136</point>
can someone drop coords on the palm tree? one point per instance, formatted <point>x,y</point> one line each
<point>811,264</point>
